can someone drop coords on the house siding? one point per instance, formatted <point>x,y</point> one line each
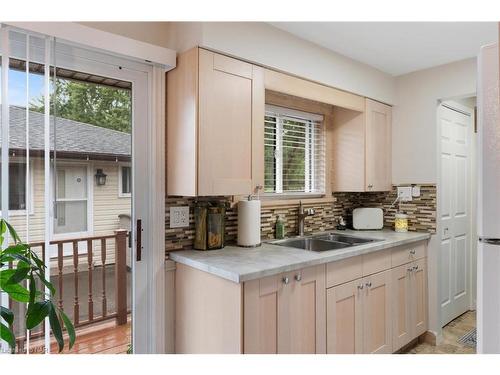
<point>106,206</point>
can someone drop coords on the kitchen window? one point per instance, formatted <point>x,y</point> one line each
<point>294,146</point>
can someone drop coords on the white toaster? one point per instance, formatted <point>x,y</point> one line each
<point>366,218</point>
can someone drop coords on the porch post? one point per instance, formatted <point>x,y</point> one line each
<point>121,276</point>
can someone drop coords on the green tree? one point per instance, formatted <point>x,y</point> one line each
<point>90,103</point>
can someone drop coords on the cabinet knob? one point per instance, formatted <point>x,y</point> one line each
<point>415,268</point>
<point>360,286</point>
<point>298,277</point>
<point>370,186</point>
<point>369,284</point>
<point>412,252</point>
<point>286,280</point>
<point>410,269</point>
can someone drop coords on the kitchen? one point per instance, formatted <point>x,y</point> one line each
<point>295,187</point>
<point>323,288</point>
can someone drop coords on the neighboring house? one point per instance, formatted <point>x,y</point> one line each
<point>83,207</point>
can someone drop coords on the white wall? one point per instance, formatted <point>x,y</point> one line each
<point>414,143</point>
<point>149,32</point>
<point>415,140</point>
<point>266,45</point>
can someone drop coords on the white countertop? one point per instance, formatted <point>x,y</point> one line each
<point>240,264</point>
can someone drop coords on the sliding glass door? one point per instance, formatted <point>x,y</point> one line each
<point>73,170</point>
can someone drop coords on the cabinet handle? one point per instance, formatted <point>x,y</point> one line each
<point>286,280</point>
<point>298,277</point>
<point>360,287</point>
<point>412,252</point>
<point>369,284</point>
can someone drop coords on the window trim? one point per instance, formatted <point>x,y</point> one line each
<point>120,185</point>
<point>30,200</point>
<point>279,194</point>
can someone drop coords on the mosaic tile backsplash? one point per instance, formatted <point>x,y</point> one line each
<point>421,213</point>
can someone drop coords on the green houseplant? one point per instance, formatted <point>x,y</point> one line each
<point>28,268</point>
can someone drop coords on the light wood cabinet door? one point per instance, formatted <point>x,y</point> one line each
<point>302,312</point>
<point>377,313</point>
<point>260,325</point>
<point>419,297</point>
<point>402,327</point>
<point>378,146</point>
<point>344,321</point>
<point>225,125</point>
<point>286,313</point>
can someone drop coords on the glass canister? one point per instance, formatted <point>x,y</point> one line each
<point>216,223</point>
<point>401,222</point>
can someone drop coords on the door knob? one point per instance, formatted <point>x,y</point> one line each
<point>298,277</point>
<point>286,280</point>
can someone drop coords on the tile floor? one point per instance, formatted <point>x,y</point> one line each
<point>451,333</point>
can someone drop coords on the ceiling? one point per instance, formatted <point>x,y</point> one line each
<point>398,47</point>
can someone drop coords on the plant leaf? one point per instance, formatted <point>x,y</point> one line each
<point>15,291</point>
<point>12,232</point>
<point>32,289</point>
<point>69,327</point>
<point>18,276</point>
<point>7,335</point>
<point>47,283</point>
<point>36,313</point>
<point>7,315</point>
<point>55,325</point>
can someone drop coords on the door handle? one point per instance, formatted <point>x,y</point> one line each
<point>138,240</point>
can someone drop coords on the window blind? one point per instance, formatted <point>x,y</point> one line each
<point>294,144</point>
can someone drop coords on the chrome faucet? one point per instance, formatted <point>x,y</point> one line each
<point>302,215</point>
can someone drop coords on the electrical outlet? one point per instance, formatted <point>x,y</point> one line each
<point>415,191</point>
<point>404,193</point>
<point>179,217</point>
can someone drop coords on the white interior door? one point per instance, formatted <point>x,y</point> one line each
<point>454,200</point>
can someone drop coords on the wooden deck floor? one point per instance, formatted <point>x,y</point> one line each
<point>102,338</point>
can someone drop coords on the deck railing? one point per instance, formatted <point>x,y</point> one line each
<point>60,278</point>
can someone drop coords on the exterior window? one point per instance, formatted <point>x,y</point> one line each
<point>125,181</point>
<point>72,199</point>
<point>294,146</point>
<point>17,186</point>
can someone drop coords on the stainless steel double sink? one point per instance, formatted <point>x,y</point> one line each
<point>324,242</point>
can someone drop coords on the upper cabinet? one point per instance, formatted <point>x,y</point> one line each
<point>215,129</point>
<point>361,152</point>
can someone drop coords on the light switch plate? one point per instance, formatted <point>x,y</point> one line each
<point>404,193</point>
<point>179,217</point>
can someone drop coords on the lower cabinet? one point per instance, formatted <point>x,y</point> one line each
<point>344,306</point>
<point>409,302</point>
<point>286,313</point>
<point>359,316</point>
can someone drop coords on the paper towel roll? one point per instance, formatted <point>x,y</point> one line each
<point>249,223</point>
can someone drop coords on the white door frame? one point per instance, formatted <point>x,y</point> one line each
<point>148,179</point>
<point>471,206</point>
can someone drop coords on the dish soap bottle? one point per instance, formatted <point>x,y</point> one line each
<point>280,228</point>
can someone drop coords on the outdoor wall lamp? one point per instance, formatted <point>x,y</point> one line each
<point>100,177</point>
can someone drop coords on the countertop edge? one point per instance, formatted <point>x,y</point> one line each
<point>240,278</point>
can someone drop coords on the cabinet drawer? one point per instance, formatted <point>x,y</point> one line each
<point>408,253</point>
<point>376,262</point>
<point>344,270</point>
